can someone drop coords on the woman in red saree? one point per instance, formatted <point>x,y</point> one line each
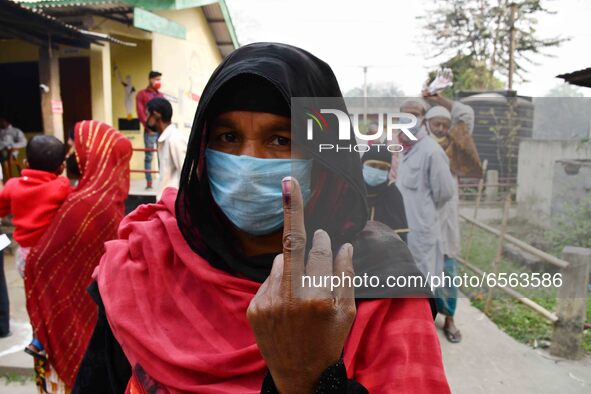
<point>60,266</point>
<point>188,293</point>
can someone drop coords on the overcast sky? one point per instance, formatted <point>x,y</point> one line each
<point>385,35</point>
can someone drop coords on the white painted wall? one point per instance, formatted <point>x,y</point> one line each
<point>186,65</point>
<point>536,171</point>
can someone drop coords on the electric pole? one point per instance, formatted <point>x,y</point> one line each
<point>512,44</point>
<point>365,94</point>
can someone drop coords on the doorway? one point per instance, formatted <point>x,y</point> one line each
<point>75,91</point>
<point>21,101</point>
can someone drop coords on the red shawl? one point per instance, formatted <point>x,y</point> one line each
<point>59,268</point>
<point>184,321</point>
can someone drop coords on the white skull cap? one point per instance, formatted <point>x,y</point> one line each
<point>438,112</point>
<point>416,101</point>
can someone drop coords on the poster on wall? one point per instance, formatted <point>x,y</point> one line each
<point>57,107</point>
<point>191,92</point>
<point>129,122</point>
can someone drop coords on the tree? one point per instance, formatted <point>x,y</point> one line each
<point>480,30</point>
<point>564,90</point>
<point>383,89</point>
<point>468,75</point>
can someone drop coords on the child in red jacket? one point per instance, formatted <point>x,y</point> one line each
<point>35,197</point>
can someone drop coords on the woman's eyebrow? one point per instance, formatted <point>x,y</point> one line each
<point>278,125</point>
<point>223,122</point>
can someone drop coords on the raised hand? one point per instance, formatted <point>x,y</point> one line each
<point>301,330</point>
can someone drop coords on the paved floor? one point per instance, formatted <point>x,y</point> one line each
<point>13,361</point>
<point>27,387</point>
<point>12,357</point>
<point>138,187</point>
<point>487,360</point>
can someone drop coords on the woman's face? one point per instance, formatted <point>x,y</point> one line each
<point>257,134</point>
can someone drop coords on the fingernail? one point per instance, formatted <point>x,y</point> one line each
<point>347,248</point>
<point>350,250</point>
<point>286,189</point>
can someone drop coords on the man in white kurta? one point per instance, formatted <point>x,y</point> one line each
<point>453,132</point>
<point>172,148</point>
<point>448,214</point>
<point>172,143</point>
<point>426,184</point>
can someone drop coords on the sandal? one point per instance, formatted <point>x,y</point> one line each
<point>32,350</point>
<point>453,337</point>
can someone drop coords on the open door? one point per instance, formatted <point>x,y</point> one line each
<point>75,91</point>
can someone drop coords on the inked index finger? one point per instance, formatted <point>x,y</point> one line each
<point>294,235</point>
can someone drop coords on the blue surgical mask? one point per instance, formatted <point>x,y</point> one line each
<point>248,189</point>
<point>374,176</point>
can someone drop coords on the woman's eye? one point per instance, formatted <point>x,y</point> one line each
<point>228,137</point>
<point>281,141</point>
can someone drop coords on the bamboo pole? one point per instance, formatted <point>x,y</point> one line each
<point>478,198</point>
<point>499,254</point>
<point>520,244</point>
<point>468,185</point>
<point>551,316</point>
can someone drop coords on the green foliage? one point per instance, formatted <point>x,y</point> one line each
<point>468,75</point>
<point>583,142</point>
<point>518,321</point>
<point>564,90</point>
<point>11,377</point>
<point>481,30</point>
<point>522,323</point>
<point>572,227</point>
<point>510,315</point>
<point>383,89</point>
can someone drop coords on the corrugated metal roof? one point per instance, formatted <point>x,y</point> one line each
<point>216,14</point>
<point>106,37</point>
<point>102,7</point>
<point>579,77</point>
<point>220,23</point>
<point>67,3</point>
<point>39,28</point>
<point>120,11</point>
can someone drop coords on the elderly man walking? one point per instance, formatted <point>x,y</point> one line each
<point>450,123</point>
<point>426,184</point>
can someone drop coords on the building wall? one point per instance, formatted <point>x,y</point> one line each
<point>24,72</point>
<point>187,64</point>
<point>108,99</point>
<point>571,186</point>
<point>100,74</point>
<point>12,51</point>
<point>106,91</point>
<point>535,174</point>
<point>137,63</point>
